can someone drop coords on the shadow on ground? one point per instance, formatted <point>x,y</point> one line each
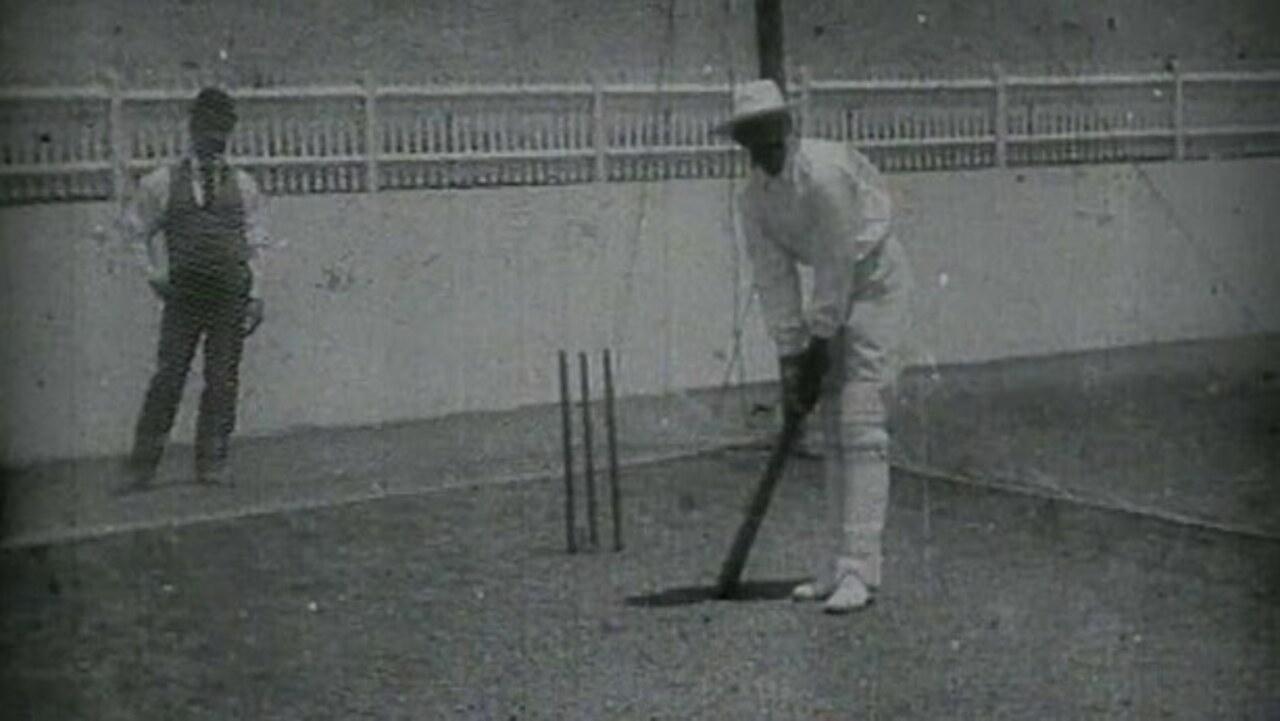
<point>463,605</point>
<point>692,595</point>
<point>460,603</point>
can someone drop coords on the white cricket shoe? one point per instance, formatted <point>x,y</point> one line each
<point>850,595</point>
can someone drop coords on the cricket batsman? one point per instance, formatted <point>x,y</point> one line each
<point>207,272</point>
<point>824,205</point>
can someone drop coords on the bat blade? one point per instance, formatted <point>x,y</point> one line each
<point>731,569</point>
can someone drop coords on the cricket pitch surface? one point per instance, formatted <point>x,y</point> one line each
<point>459,602</point>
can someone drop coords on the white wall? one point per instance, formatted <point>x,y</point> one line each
<point>1053,260</point>
<point>409,305</point>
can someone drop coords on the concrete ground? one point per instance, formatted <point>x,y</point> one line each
<point>1082,537</point>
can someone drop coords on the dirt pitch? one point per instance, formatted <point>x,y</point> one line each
<point>1130,568</point>
<point>463,604</point>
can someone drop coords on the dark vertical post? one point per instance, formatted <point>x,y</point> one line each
<point>593,532</point>
<point>769,41</point>
<point>566,421</point>
<point>610,419</point>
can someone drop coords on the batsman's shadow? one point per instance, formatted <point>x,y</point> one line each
<point>748,591</point>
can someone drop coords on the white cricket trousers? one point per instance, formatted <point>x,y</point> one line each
<point>853,417</point>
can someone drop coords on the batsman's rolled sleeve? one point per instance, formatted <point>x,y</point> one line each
<point>260,243</point>
<point>777,282</point>
<point>836,224</point>
<point>140,223</point>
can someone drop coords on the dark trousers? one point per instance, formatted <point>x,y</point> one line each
<point>188,316</point>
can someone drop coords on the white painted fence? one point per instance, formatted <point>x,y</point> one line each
<point>87,143</point>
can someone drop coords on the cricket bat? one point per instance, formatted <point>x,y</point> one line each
<point>731,570</point>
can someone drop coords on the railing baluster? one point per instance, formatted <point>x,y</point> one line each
<point>1000,118</point>
<point>577,132</point>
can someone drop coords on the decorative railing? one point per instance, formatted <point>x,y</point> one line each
<point>88,143</point>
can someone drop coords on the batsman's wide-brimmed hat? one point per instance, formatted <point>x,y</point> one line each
<point>753,101</point>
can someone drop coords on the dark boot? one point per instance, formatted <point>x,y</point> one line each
<point>143,462</point>
<point>211,462</point>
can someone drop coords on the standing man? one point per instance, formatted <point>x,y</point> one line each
<point>824,205</point>
<point>207,272</point>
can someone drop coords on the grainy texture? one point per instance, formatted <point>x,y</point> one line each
<point>462,603</point>
<point>326,40</point>
<point>458,301</point>
<point>385,572</point>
